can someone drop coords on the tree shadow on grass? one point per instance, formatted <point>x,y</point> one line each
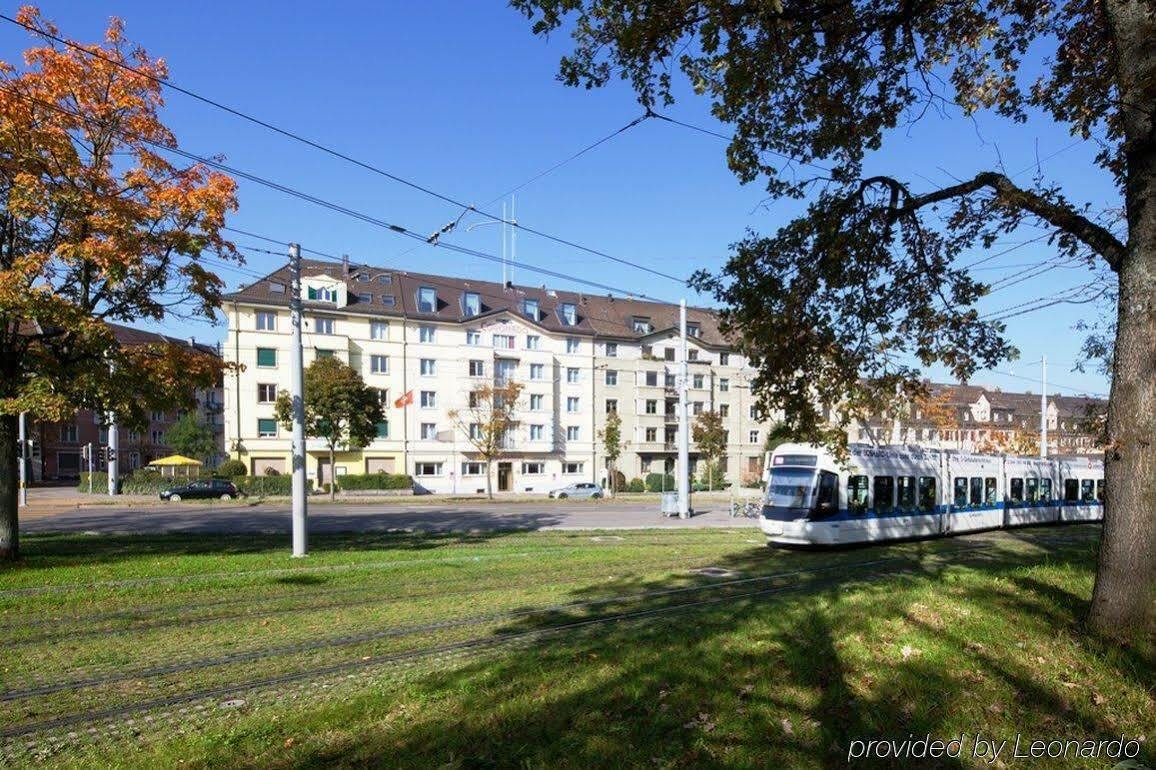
<point>786,674</point>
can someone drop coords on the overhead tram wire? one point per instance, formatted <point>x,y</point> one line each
<point>352,213</point>
<point>340,155</point>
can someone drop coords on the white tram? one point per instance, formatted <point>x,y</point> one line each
<point>895,492</point>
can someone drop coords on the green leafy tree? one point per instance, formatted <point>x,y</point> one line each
<point>710,436</point>
<point>488,421</point>
<point>340,409</point>
<point>192,438</point>
<point>871,275</point>
<point>612,446</point>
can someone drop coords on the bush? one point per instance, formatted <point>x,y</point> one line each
<point>374,481</point>
<point>259,486</point>
<point>231,468</point>
<point>137,483</point>
<point>619,480</point>
<point>636,485</point>
<point>659,482</point>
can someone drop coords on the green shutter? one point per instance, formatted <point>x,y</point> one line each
<point>322,353</point>
<point>312,293</point>
<point>265,425</point>
<point>266,357</point>
<point>383,429</point>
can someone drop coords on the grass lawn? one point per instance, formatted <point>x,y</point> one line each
<point>552,649</point>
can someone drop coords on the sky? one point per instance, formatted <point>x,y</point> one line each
<point>459,97</point>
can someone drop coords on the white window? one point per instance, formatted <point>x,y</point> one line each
<point>652,434</point>
<point>158,415</point>
<point>651,406</point>
<point>533,469</point>
<point>530,309</point>
<point>429,432</point>
<point>473,337</point>
<point>323,325</point>
<point>532,341</point>
<point>692,355</point>
<point>428,399</point>
<point>692,330</point>
<point>68,433</point>
<point>427,300</point>
<point>537,432</point>
<point>536,400</point>
<point>569,314</point>
<point>571,374</point>
<point>641,325</point>
<point>134,435</point>
<point>754,412</point>
<point>572,344</point>
<point>473,469</point>
<point>611,349</point>
<point>724,384</point>
<point>427,469</point>
<point>573,432</point>
<point>266,393</point>
<point>724,359</point>
<point>428,367</point>
<point>471,304</point>
<point>379,364</point>
<point>378,330</point>
<point>696,381</point>
<point>572,404</point>
<point>696,407</point>
<point>266,321</point>
<point>651,379</point>
<point>753,438</point>
<point>427,333</point>
<point>475,430</point>
<point>611,376</point>
<point>323,294</point>
<point>504,341</point>
<point>571,469</point>
<point>477,368</point>
<point>537,371</point>
<point>504,370</point>
<point>611,406</point>
<point>158,437</point>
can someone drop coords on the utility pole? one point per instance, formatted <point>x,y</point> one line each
<point>513,237</point>
<point>88,451</point>
<point>113,452</point>
<point>23,499</point>
<point>1044,407</point>
<point>683,426</point>
<point>297,394</point>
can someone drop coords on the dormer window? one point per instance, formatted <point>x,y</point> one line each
<point>530,309</point>
<point>569,314</point>
<point>361,277</point>
<point>692,330</point>
<point>642,325</point>
<point>427,300</point>
<point>321,294</point>
<point>385,278</point>
<point>471,304</point>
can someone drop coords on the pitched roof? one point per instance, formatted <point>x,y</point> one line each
<point>128,335</point>
<point>598,314</point>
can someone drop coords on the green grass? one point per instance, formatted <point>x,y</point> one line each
<point>571,652</point>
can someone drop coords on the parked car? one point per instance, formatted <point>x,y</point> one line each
<point>202,489</point>
<point>583,489</point>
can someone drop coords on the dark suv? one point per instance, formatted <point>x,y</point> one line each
<point>202,489</point>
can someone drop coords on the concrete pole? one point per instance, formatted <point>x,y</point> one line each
<point>297,393</point>
<point>1044,408</point>
<point>113,454</point>
<point>683,426</point>
<point>23,433</point>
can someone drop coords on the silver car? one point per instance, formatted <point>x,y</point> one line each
<point>582,489</point>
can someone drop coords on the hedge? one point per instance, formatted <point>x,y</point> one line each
<point>258,486</point>
<point>636,485</point>
<point>231,468</point>
<point>374,481</point>
<point>659,482</point>
<point>152,484</point>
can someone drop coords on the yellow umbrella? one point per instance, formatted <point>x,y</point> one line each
<point>176,461</point>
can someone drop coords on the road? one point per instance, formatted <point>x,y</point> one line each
<point>376,517</point>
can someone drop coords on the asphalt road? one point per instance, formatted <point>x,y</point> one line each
<point>378,517</point>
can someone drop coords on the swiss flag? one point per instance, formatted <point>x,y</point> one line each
<point>407,398</point>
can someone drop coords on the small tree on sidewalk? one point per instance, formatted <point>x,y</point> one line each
<point>192,438</point>
<point>488,420</point>
<point>339,409</point>
<point>612,445</point>
<point>711,437</point>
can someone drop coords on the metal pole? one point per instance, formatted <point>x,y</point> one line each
<point>113,454</point>
<point>89,453</point>
<point>683,427</point>
<point>297,393</point>
<point>1044,408</point>
<point>513,237</point>
<point>23,432</point>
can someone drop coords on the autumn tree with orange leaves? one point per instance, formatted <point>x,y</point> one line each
<point>97,225</point>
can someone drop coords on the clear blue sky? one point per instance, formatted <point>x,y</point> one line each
<point>461,98</point>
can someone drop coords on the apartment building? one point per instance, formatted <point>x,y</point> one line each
<point>57,447</point>
<point>435,338</point>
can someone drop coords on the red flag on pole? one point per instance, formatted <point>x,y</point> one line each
<point>407,398</point>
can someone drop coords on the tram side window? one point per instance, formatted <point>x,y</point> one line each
<point>1046,490</point>
<point>1100,490</point>
<point>1016,491</point>
<point>857,494</point>
<point>1033,490</point>
<point>976,497</point>
<point>960,492</point>
<point>1071,490</point>
<point>907,493</point>
<point>827,499</point>
<point>884,494</point>
<point>989,491</point>
<point>927,499</point>
<point>1088,491</point>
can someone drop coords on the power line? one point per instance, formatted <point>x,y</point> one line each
<point>1080,391</point>
<point>343,156</point>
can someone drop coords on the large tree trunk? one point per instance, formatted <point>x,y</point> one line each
<point>1122,601</point>
<point>9,500</point>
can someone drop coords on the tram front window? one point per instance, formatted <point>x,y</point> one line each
<point>790,488</point>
